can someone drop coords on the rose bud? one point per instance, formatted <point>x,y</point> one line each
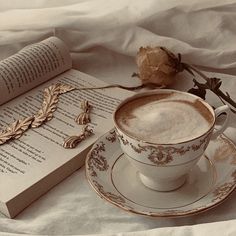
<point>156,66</point>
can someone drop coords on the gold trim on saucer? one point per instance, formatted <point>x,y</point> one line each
<point>97,160</point>
<point>217,194</point>
<point>221,191</point>
<point>222,153</point>
<point>113,197</point>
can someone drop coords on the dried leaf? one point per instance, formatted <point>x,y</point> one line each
<point>200,92</point>
<point>135,75</point>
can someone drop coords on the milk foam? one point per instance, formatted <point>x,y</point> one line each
<point>171,119</point>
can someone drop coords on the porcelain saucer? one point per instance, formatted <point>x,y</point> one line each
<point>209,183</point>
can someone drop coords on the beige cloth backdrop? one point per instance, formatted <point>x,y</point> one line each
<point>103,37</point>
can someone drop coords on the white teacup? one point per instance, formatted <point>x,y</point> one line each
<point>163,133</point>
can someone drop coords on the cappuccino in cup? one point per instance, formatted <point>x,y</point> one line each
<point>164,118</point>
<point>163,133</point>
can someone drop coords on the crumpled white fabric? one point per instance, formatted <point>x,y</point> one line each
<point>103,37</point>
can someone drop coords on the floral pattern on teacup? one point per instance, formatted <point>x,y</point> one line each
<point>161,154</point>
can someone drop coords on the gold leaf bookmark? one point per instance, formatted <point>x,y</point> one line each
<point>73,141</point>
<point>50,99</point>
<point>15,130</point>
<point>84,117</point>
<point>49,105</point>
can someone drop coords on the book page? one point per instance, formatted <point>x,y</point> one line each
<point>32,66</point>
<point>39,151</point>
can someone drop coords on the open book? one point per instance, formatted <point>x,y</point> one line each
<point>34,163</point>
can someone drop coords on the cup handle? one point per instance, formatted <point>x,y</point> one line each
<point>219,111</point>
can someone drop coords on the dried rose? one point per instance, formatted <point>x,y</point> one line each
<point>156,65</point>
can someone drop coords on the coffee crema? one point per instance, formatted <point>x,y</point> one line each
<point>164,118</point>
